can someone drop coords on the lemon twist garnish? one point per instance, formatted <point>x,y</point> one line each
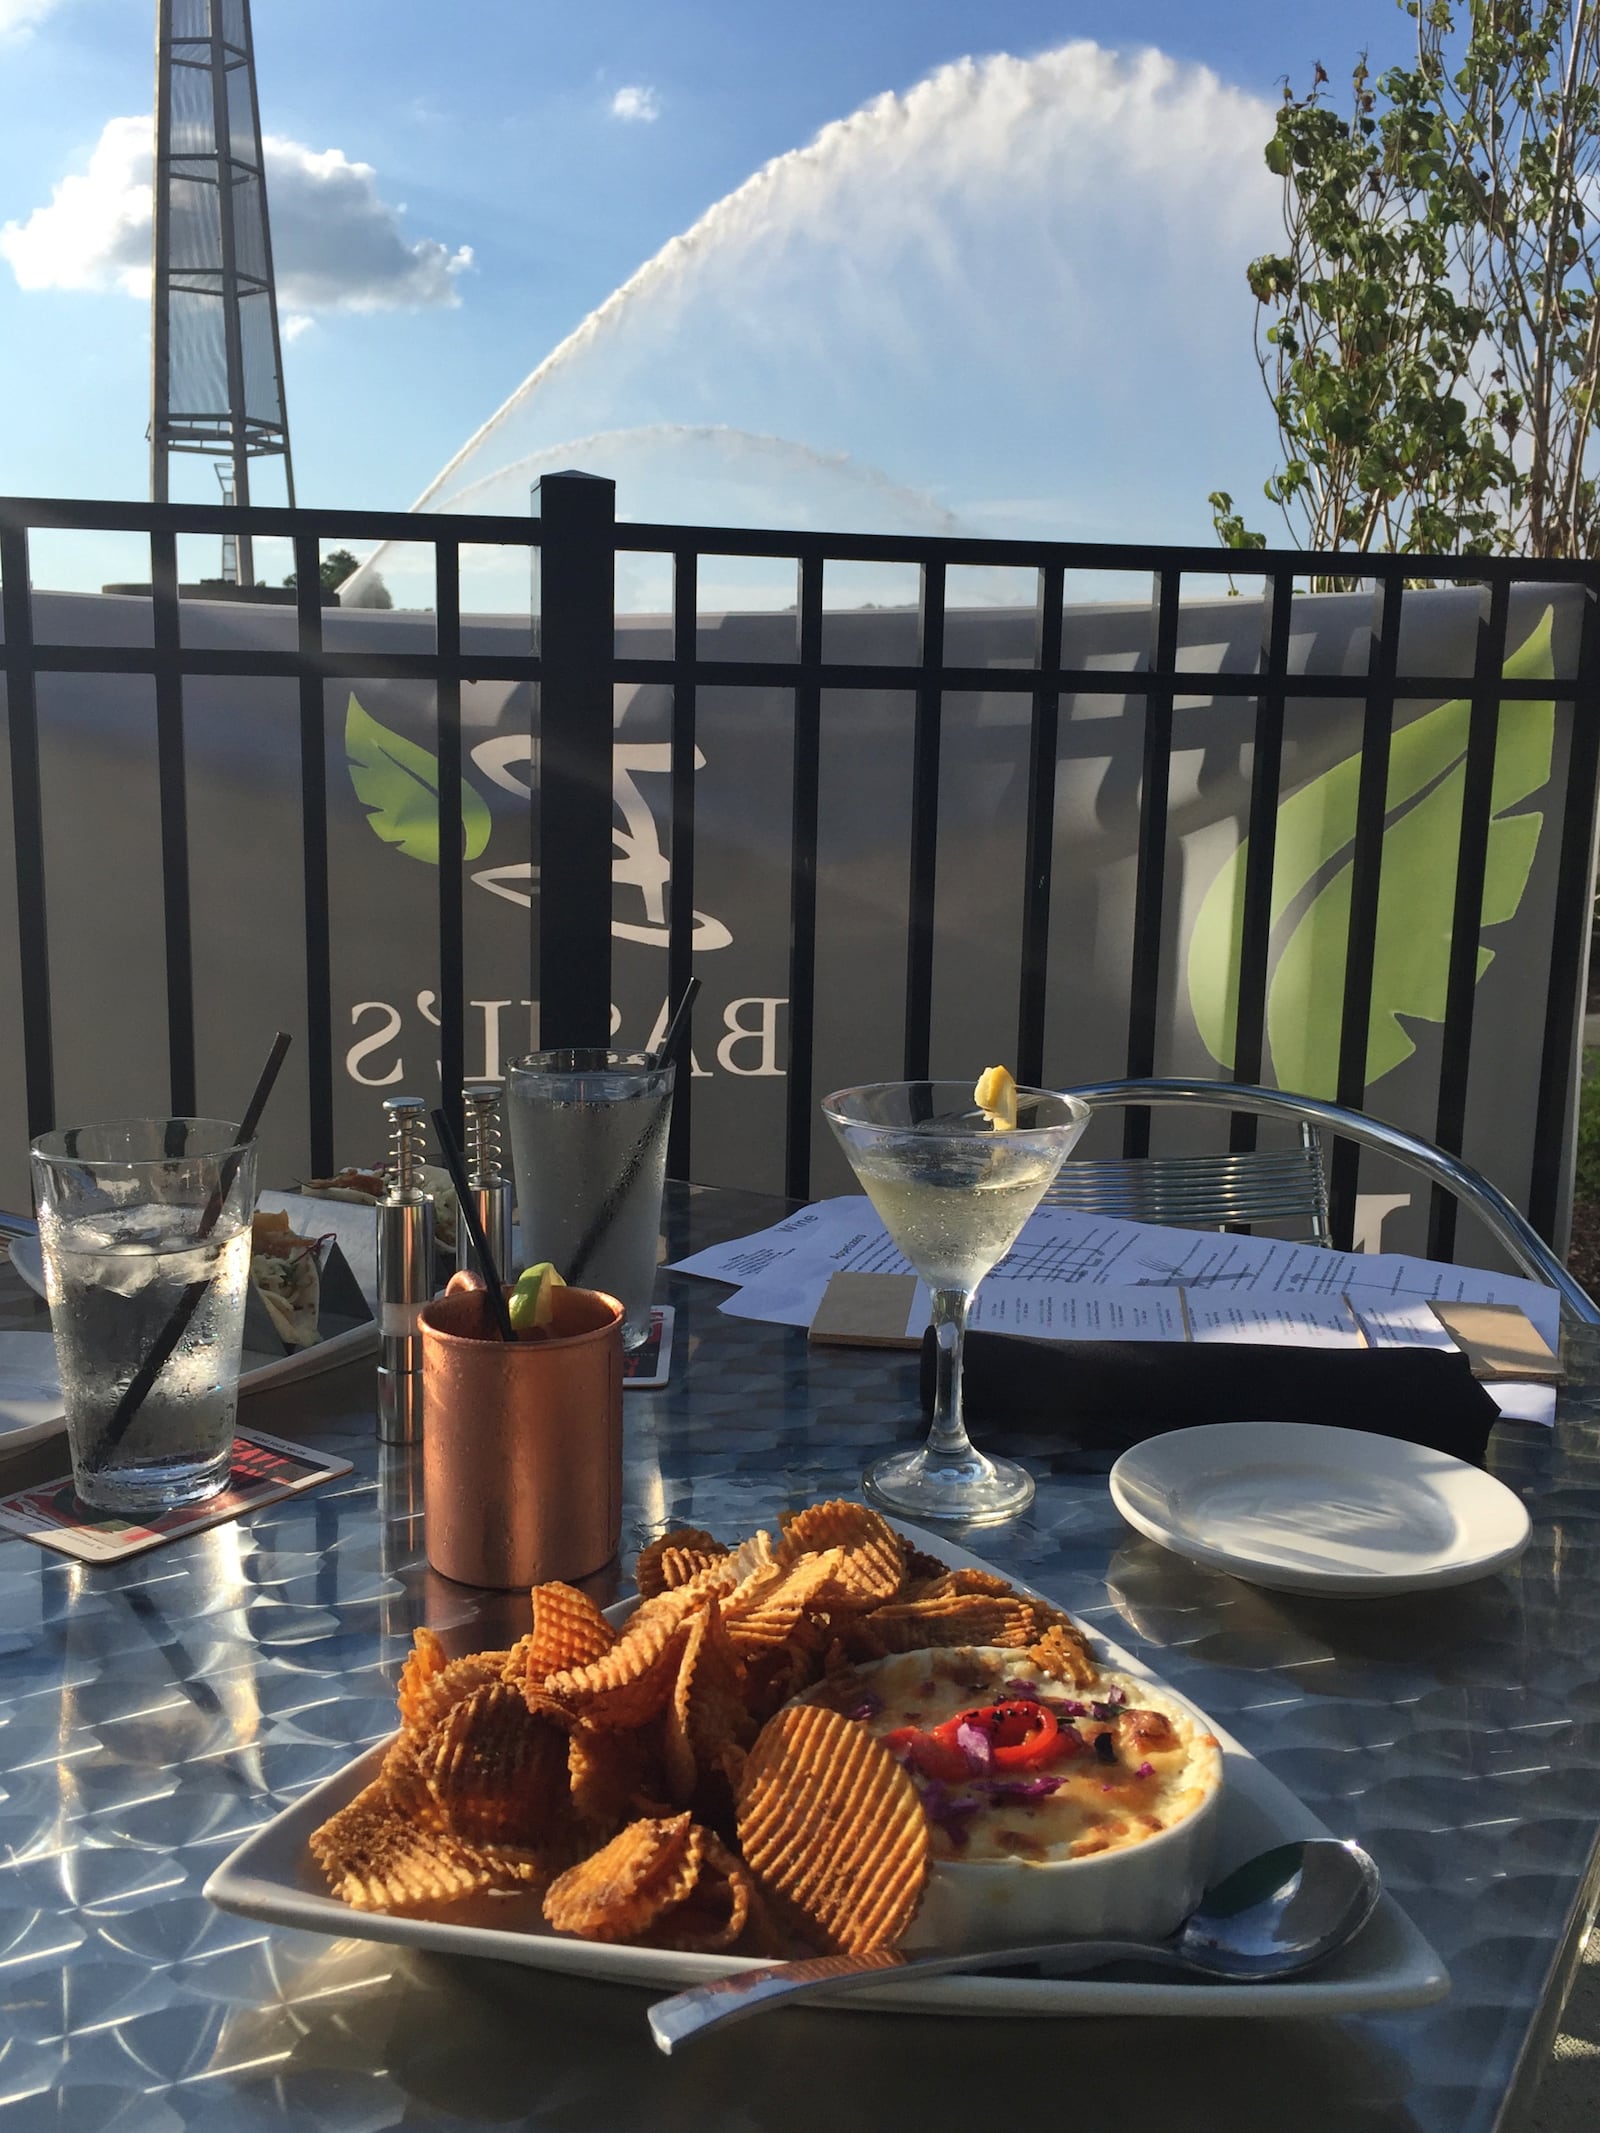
<point>532,1301</point>
<point>996,1097</point>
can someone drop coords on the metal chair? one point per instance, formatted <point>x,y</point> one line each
<point>1208,1191</point>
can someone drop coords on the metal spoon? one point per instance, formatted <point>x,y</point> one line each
<point>1272,1917</point>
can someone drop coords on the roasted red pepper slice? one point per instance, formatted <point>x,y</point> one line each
<point>934,1757</point>
<point>1022,1736</point>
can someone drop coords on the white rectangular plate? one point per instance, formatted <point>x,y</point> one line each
<point>272,1877</point>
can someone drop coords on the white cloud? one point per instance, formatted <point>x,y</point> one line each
<point>291,324</point>
<point>337,244</point>
<point>17,17</point>
<point>636,103</point>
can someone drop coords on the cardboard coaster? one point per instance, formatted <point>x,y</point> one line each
<point>646,1368</point>
<point>264,1469</point>
<point>1499,1341</point>
<point>866,1311</point>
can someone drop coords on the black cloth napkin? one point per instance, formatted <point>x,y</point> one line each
<point>1106,1395</point>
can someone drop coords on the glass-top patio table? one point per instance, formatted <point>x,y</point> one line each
<point>152,1714</point>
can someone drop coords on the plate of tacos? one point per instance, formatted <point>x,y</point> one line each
<point>305,1310</point>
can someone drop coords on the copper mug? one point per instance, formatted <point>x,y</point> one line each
<point>522,1454</point>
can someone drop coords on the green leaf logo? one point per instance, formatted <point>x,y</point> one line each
<point>1311,888</point>
<point>398,784</point>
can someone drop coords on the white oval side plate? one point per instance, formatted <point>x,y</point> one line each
<point>1389,1964</point>
<point>1302,1508</point>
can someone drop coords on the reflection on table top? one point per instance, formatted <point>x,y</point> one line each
<point>152,1713</point>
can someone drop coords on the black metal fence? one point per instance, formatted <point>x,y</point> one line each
<point>573,544</point>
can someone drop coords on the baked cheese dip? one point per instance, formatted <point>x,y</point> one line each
<point>1010,1764</point>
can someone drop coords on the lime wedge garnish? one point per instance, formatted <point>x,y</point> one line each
<point>532,1300</point>
<point>996,1097</point>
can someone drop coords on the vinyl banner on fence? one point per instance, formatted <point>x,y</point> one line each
<point>242,747</point>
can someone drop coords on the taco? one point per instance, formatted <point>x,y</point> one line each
<point>367,1187</point>
<point>287,1272</point>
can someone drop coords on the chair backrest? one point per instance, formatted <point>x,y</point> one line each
<point>1528,1251</point>
<point>1285,1185</point>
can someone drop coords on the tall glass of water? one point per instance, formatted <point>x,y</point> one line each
<point>144,1225</point>
<point>589,1154</point>
<point>954,1190</point>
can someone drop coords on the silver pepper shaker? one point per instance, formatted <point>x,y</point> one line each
<point>491,1188</point>
<point>405,1271</point>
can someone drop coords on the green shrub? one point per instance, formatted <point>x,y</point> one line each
<point>1587,1183</point>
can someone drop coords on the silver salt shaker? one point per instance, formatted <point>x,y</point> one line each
<point>491,1188</point>
<point>405,1271</point>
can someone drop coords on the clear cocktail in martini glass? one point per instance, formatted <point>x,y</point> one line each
<point>954,1183</point>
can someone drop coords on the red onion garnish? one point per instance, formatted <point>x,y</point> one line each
<point>1022,1691</point>
<point>868,1707</point>
<point>1037,1788</point>
<point>1145,1770</point>
<point>976,1746</point>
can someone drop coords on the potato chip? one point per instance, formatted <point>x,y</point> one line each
<point>839,1853</point>
<point>613,1774</point>
<point>957,1618</point>
<point>716,1910</point>
<point>873,1566</point>
<point>433,1698</point>
<point>675,1559</point>
<point>498,1769</point>
<point>960,1581</point>
<point>1063,1653</point>
<point>377,1859</point>
<point>920,1565</point>
<point>568,1631</point>
<point>425,1663</point>
<point>707,1708</point>
<point>830,1823</point>
<point>630,1684</point>
<point>624,1887</point>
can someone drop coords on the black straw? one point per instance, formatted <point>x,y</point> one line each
<point>189,1302</point>
<point>468,1214</point>
<point>680,1015</point>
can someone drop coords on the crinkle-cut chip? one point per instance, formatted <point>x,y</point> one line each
<point>425,1663</point>
<point>874,1554</point>
<point>675,1558</point>
<point>614,1774</point>
<point>1063,1653</point>
<point>568,1631</point>
<point>378,1859</point>
<point>707,1706</point>
<point>630,1684</point>
<point>717,1909</point>
<point>959,1618</point>
<point>624,1887</point>
<point>920,1565</point>
<point>751,1554</point>
<point>515,1668</point>
<point>962,1581</point>
<point>766,1607</point>
<point>405,1780</point>
<point>528,1869</point>
<point>832,1825</point>
<point>438,1696</point>
<point>499,1769</point>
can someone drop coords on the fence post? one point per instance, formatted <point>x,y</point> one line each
<point>574,625</point>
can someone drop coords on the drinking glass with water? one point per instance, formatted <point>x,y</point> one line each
<point>145,1231</point>
<point>589,1154</point>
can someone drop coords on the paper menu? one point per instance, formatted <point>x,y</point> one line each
<point>784,1270</point>
<point>1301,1322</point>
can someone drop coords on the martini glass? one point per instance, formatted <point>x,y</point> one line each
<point>953,1192</point>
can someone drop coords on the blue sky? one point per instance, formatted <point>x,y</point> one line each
<point>1009,298</point>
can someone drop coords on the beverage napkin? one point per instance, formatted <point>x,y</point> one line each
<point>1106,1395</point>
